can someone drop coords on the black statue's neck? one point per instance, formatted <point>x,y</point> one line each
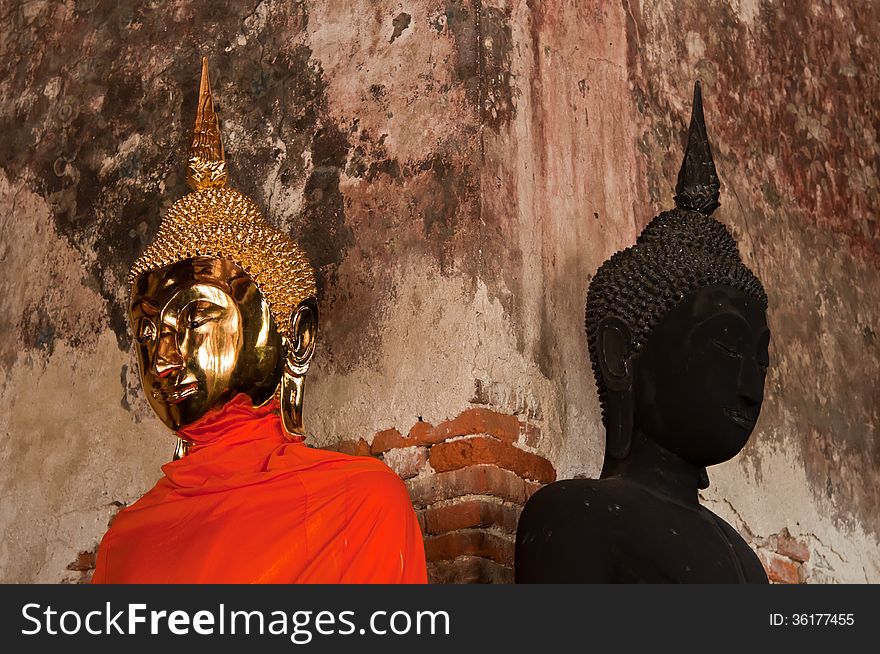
<point>659,470</point>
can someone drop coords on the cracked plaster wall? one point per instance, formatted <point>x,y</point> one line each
<point>456,171</point>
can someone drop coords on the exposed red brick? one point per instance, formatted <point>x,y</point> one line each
<point>780,570</point>
<point>475,543</point>
<point>794,549</point>
<point>469,570</point>
<point>479,421</point>
<point>386,440</point>
<point>84,561</point>
<point>406,461</point>
<point>360,447</point>
<point>469,422</point>
<point>421,432</point>
<point>464,452</point>
<point>472,480</point>
<point>471,513</point>
<point>453,517</point>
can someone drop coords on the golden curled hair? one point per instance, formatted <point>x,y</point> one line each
<point>217,221</point>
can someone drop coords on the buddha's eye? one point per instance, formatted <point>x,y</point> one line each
<point>195,323</point>
<point>146,331</point>
<point>730,351</point>
<point>201,313</point>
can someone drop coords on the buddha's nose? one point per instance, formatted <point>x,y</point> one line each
<point>168,357</point>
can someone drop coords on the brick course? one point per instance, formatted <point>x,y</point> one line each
<point>406,461</point>
<point>474,542</point>
<point>792,548</point>
<point>783,557</point>
<point>471,513</point>
<point>468,479</point>
<point>457,454</point>
<point>473,480</point>
<point>780,569</point>
<point>470,422</point>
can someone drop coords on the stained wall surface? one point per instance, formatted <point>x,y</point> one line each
<point>455,171</point>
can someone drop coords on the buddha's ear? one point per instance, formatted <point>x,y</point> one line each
<point>615,352</point>
<point>300,345</point>
<point>303,336</point>
<point>614,341</point>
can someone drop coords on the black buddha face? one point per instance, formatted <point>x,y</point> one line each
<point>698,383</point>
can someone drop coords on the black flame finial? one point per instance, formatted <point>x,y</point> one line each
<point>698,186</point>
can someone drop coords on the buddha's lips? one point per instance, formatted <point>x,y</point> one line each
<point>739,418</point>
<point>177,393</point>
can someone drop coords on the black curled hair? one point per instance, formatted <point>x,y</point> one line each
<point>678,252</point>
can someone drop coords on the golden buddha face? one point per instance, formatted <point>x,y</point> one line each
<point>204,333</point>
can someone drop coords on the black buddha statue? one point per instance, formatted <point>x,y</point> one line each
<point>678,338</point>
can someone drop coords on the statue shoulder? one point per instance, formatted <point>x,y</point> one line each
<point>564,499</point>
<point>383,541</point>
<point>751,565</point>
<point>564,534</point>
<point>364,485</point>
<point>371,484</point>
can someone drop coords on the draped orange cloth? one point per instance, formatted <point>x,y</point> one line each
<point>247,505</point>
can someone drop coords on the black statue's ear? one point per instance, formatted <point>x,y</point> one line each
<point>615,362</point>
<point>615,350</point>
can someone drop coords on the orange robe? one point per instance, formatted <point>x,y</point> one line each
<point>247,505</point>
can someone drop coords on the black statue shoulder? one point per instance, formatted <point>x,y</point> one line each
<point>562,535</point>
<point>752,569</point>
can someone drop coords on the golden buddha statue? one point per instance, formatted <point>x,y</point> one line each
<point>225,320</point>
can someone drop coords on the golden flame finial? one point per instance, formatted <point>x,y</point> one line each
<point>207,166</point>
<point>218,221</point>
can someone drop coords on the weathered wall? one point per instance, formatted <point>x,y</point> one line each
<point>456,171</point>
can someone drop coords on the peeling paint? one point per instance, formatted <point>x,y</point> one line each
<point>456,170</point>
<point>788,94</point>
